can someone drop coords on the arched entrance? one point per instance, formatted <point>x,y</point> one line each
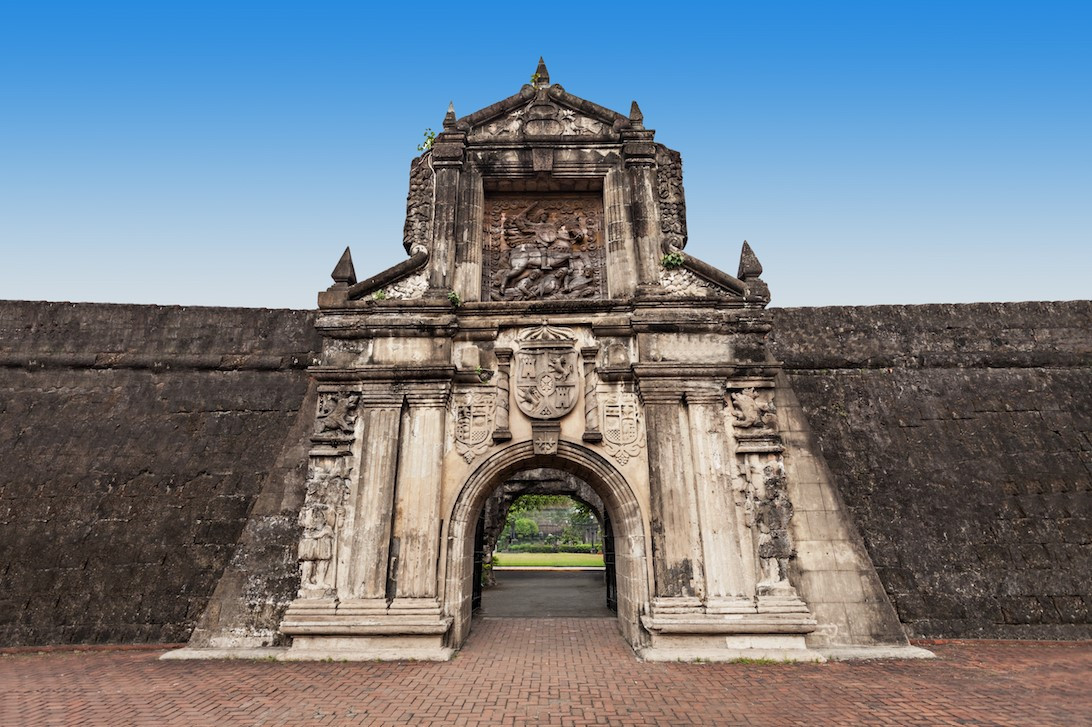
<point>621,507</point>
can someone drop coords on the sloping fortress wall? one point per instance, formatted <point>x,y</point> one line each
<point>135,440</point>
<point>960,437</point>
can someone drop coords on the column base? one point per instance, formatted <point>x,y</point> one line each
<point>729,629</point>
<point>366,630</point>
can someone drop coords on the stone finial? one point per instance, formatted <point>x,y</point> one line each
<point>542,76</point>
<point>449,117</point>
<point>749,266</point>
<point>344,272</point>
<point>636,118</point>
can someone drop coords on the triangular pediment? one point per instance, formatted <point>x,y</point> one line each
<point>542,111</point>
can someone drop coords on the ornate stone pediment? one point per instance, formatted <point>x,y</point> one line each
<point>540,116</point>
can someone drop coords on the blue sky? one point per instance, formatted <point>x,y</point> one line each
<point>225,153</point>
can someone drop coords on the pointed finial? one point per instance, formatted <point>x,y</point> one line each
<point>749,266</point>
<point>344,273</point>
<point>636,118</point>
<point>449,117</point>
<point>541,78</point>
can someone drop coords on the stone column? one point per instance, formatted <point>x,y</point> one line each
<point>729,587</point>
<point>373,500</point>
<point>416,533</point>
<point>676,545</point>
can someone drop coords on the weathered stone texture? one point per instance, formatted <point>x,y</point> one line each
<point>959,437</point>
<point>133,440</point>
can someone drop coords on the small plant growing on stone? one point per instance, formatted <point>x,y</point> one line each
<point>483,374</point>
<point>454,299</point>
<point>380,294</point>
<point>534,78</point>
<point>430,139</point>
<point>672,260</point>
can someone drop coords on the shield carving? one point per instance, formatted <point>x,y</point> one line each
<point>546,374</point>
<point>622,426</point>
<point>473,422</point>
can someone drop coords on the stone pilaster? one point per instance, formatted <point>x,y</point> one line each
<point>728,582</point>
<point>366,576</point>
<point>639,153</point>
<point>416,530</point>
<point>501,432</point>
<point>591,396</point>
<point>676,543</point>
<point>447,162</point>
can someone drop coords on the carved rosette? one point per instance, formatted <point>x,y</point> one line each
<point>474,413</point>
<point>543,247</point>
<point>546,369</point>
<point>623,430</point>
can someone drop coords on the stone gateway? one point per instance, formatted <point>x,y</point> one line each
<point>547,319</point>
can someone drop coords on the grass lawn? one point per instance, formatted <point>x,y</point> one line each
<point>548,559</point>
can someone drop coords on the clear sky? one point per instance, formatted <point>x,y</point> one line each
<point>225,153</point>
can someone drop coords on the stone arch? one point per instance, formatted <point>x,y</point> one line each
<point>631,539</point>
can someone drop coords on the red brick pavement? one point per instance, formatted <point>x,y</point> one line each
<point>555,672</point>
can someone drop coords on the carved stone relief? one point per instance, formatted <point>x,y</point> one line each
<point>669,188</point>
<point>327,485</point>
<point>546,372</point>
<point>418,227</point>
<point>623,434</point>
<point>752,410</point>
<point>547,246</point>
<point>772,513</point>
<point>337,413</point>
<point>540,117</point>
<point>408,288</point>
<point>474,416</point>
<point>680,281</point>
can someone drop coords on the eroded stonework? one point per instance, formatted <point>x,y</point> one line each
<point>543,247</point>
<point>542,329</point>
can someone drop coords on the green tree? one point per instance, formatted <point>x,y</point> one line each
<point>526,528</point>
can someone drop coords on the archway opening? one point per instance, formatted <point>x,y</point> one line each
<point>544,549</point>
<point>622,523</point>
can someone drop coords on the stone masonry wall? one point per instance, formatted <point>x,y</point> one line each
<point>133,440</point>
<point>960,438</point>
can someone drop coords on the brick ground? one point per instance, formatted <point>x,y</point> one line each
<point>556,672</point>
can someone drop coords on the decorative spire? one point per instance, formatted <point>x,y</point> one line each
<point>636,118</point>
<point>449,117</point>
<point>542,76</point>
<point>344,273</point>
<point>749,266</point>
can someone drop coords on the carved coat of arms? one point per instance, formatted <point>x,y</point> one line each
<point>473,423</point>
<point>622,434</point>
<point>546,373</point>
